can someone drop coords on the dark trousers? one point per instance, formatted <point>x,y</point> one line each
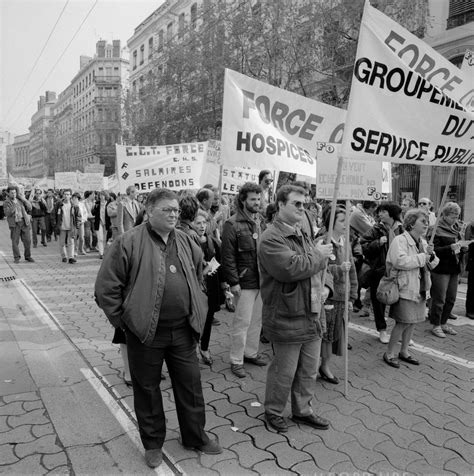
<point>378,307</point>
<point>21,230</point>
<point>444,288</point>
<point>177,347</point>
<point>38,223</point>
<point>49,223</point>
<point>90,235</point>
<point>470,292</point>
<point>206,332</point>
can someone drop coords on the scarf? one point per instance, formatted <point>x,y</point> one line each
<point>445,230</point>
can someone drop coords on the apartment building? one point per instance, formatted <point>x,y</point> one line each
<point>6,138</point>
<point>21,152</point>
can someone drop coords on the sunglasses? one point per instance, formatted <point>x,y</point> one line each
<point>423,203</point>
<point>298,204</point>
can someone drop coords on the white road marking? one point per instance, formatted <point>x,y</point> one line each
<point>124,420</point>
<point>421,348</point>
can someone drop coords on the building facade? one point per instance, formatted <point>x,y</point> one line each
<point>451,33</point>
<point>21,152</point>
<point>6,138</point>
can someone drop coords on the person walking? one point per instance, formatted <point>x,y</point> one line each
<point>293,293</point>
<point>408,257</point>
<point>38,213</point>
<point>16,208</point>
<point>127,211</point>
<point>50,217</point>
<point>68,218</point>
<point>150,283</point>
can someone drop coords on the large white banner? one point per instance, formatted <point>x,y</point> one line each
<point>360,179</point>
<point>93,181</point>
<point>64,180</point>
<point>175,167</point>
<point>264,127</point>
<point>408,104</point>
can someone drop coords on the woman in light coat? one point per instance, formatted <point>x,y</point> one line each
<point>409,257</point>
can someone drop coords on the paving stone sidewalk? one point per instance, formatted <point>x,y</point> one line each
<point>416,420</point>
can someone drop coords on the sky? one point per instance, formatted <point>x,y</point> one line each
<point>24,28</point>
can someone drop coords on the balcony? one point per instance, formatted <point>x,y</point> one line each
<point>106,79</point>
<point>107,100</point>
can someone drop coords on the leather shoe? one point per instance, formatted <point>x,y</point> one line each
<point>393,362</point>
<point>470,315</point>
<point>154,457</point>
<point>452,316</point>
<point>409,359</point>
<point>30,260</point>
<point>325,376</point>
<point>238,370</point>
<point>210,448</point>
<point>313,420</point>
<point>277,422</point>
<point>257,360</point>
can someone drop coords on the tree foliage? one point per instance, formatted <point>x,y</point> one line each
<point>305,46</point>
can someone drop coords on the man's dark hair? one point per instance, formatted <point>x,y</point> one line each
<point>159,194</point>
<point>87,193</point>
<point>368,204</point>
<point>189,207</point>
<point>113,195</point>
<point>285,190</point>
<point>203,194</point>
<point>262,174</point>
<point>394,209</point>
<point>67,190</point>
<point>248,187</point>
<point>76,195</point>
<point>12,187</point>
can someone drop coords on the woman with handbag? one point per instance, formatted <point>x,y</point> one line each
<point>408,257</point>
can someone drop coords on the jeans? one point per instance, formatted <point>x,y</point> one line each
<point>90,236</point>
<point>293,370</point>
<point>246,326</point>
<point>178,348</point>
<point>444,288</point>
<point>49,224</point>
<point>38,223</point>
<point>66,244</point>
<point>23,231</point>
<point>80,239</point>
<point>101,239</point>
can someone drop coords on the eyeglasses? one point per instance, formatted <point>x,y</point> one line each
<point>169,210</point>
<point>298,204</point>
<point>423,203</point>
<point>268,181</point>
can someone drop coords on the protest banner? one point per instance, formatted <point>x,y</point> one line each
<point>26,183</point>
<point>94,168</point>
<point>176,167</point>
<point>360,179</point>
<point>408,104</point>
<point>266,127</point>
<point>111,183</point>
<point>90,181</point>
<point>3,182</point>
<point>213,152</point>
<point>64,180</point>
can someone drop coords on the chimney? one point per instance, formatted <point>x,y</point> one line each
<point>116,51</point>
<point>41,102</point>
<point>50,96</point>
<point>101,48</point>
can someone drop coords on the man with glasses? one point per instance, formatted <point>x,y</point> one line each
<point>293,294</point>
<point>38,213</point>
<point>150,284</point>
<point>425,204</point>
<point>240,238</point>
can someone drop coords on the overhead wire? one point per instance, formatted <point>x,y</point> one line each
<point>55,64</point>
<point>37,59</point>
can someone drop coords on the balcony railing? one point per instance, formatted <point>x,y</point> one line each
<point>461,19</point>
<point>107,79</point>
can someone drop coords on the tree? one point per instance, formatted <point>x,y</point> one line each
<point>305,46</point>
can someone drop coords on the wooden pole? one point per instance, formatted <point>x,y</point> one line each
<point>347,250</point>
<point>443,201</point>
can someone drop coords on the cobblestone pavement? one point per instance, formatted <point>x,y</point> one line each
<point>64,408</point>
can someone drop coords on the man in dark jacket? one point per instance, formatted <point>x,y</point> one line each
<point>239,265</point>
<point>38,213</point>
<point>150,284</point>
<point>293,294</point>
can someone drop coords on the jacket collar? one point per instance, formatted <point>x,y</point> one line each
<point>284,228</point>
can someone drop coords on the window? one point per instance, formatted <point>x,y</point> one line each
<point>150,47</point>
<point>160,40</point>
<point>142,54</point>
<point>181,25</point>
<point>169,31</point>
<point>134,60</point>
<point>460,12</point>
<point>194,9</point>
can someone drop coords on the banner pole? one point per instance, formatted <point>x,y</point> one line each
<point>219,186</point>
<point>347,248</point>
<point>443,201</point>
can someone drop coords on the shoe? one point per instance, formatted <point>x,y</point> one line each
<point>325,376</point>
<point>409,359</point>
<point>392,361</point>
<point>238,370</point>
<point>72,261</point>
<point>438,332</point>
<point>153,458</point>
<point>206,357</point>
<point>210,448</point>
<point>257,360</point>
<point>470,315</point>
<point>277,422</point>
<point>128,383</point>
<point>48,239</point>
<point>264,340</point>
<point>449,330</point>
<point>64,260</point>
<point>384,337</point>
<point>349,347</point>
<point>216,322</point>
<point>101,256</point>
<point>30,260</point>
<point>452,316</point>
<point>313,420</point>
<point>16,260</point>
<point>44,244</point>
